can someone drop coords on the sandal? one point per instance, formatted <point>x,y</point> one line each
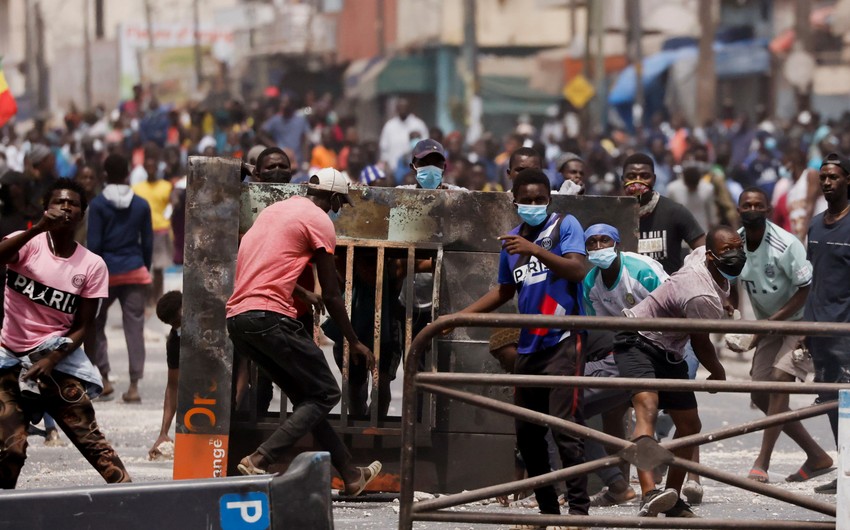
<point>367,475</point>
<point>247,468</point>
<point>805,473</point>
<point>759,475</point>
<point>607,498</point>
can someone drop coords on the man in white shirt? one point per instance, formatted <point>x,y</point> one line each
<point>696,195</point>
<point>777,278</point>
<point>395,136</point>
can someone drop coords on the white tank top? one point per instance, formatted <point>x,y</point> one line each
<point>796,202</point>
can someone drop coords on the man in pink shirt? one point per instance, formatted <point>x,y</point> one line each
<point>52,293</point>
<point>261,320</point>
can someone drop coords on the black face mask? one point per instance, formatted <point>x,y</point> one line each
<point>279,176</point>
<point>753,218</point>
<point>731,262</point>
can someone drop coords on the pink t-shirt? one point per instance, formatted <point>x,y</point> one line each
<point>273,253</point>
<point>43,292</point>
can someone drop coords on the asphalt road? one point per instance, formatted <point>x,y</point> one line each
<point>132,429</point>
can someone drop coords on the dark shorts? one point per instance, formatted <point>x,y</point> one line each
<point>637,357</point>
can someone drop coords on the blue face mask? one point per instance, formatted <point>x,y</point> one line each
<point>532,214</point>
<point>732,279</point>
<point>602,258</point>
<point>334,215</point>
<point>429,177</point>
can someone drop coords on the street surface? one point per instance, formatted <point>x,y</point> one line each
<point>133,428</point>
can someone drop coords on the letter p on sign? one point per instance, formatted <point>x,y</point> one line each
<point>244,511</point>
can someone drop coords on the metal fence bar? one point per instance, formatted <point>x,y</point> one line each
<point>408,296</point>
<point>528,415</point>
<point>618,522</point>
<point>419,344</point>
<point>626,382</point>
<point>376,345</point>
<point>346,347</point>
<point>447,501</point>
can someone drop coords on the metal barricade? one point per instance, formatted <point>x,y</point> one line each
<point>457,229</point>
<point>644,454</point>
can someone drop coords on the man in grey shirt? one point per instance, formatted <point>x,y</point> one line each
<point>699,290</point>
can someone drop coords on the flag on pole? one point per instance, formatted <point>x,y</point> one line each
<point>8,107</point>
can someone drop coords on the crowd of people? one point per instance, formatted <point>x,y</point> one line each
<point>738,207</point>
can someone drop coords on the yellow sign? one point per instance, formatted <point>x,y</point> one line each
<point>578,91</point>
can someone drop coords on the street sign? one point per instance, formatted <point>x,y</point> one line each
<point>579,91</point>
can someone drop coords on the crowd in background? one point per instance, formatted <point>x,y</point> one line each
<point>704,167</point>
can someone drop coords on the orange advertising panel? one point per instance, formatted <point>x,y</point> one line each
<point>200,455</point>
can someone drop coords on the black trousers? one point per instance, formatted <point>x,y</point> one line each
<point>831,357</point>
<point>281,346</point>
<point>564,403</point>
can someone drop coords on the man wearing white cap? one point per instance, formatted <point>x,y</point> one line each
<point>261,320</point>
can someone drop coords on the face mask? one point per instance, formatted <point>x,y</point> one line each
<point>413,143</point>
<point>753,218</point>
<point>281,176</point>
<point>636,188</point>
<point>784,172</point>
<point>334,215</point>
<point>730,263</point>
<point>602,258</point>
<point>429,177</point>
<point>532,214</point>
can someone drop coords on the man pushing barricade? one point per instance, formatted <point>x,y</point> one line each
<point>700,289</point>
<point>261,321</point>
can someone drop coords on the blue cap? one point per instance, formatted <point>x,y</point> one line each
<point>601,229</point>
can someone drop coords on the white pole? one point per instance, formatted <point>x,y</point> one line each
<point>843,497</point>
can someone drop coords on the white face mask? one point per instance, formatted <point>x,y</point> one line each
<point>602,258</point>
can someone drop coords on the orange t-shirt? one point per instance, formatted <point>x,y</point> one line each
<point>323,157</point>
<point>274,252</point>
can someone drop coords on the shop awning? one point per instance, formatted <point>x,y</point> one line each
<point>411,74</point>
<point>513,95</point>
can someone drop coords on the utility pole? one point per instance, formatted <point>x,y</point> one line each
<point>635,38</point>
<point>149,22</point>
<point>706,73</point>
<point>470,60</point>
<point>803,38</point>
<point>87,56</point>
<point>379,27</point>
<point>196,26</point>
<point>98,19</point>
<point>599,64</point>
<point>40,61</point>
<point>29,49</point>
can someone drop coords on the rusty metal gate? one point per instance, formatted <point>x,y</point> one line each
<point>644,454</point>
<point>457,230</point>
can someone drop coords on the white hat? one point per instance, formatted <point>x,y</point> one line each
<point>331,180</point>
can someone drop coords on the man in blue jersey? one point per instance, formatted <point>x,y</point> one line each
<point>777,278</point>
<point>543,263</point>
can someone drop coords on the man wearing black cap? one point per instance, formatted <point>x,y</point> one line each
<point>829,252</point>
<point>261,321</point>
<point>429,163</point>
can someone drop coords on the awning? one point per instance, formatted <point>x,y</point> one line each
<point>411,74</point>
<point>734,59</point>
<point>513,95</point>
<point>361,77</point>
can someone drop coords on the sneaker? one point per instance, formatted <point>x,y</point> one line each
<point>692,490</point>
<point>681,509</point>
<point>830,488</point>
<point>657,501</point>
